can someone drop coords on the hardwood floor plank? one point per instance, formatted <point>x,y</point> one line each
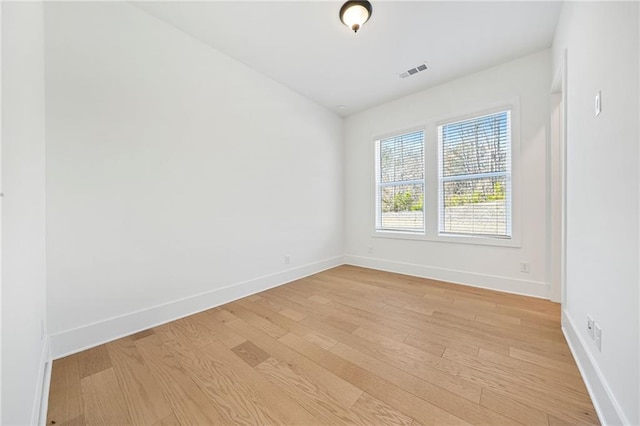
<point>545,361</point>
<point>461,336</point>
<point>257,321</point>
<point>376,412</point>
<point>396,397</point>
<point>340,324</point>
<point>319,299</point>
<point>294,315</point>
<point>554,421</point>
<point>65,394</point>
<point>438,348</point>
<point>299,363</point>
<point>271,398</point>
<point>170,420</point>
<point>325,342</point>
<point>266,312</point>
<point>498,377</point>
<point>207,320</point>
<point>351,320</point>
<point>561,378</point>
<point>530,391</point>
<point>513,409</point>
<point>189,328</point>
<point>420,308</point>
<point>141,393</point>
<point>236,400</point>
<point>189,404</point>
<point>93,361</point>
<point>76,421</point>
<point>310,395</point>
<point>406,357</point>
<point>250,353</point>
<point>254,298</point>
<point>422,326</point>
<point>103,400</point>
<point>142,334</point>
<point>441,398</point>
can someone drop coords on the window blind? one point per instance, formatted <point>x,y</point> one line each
<point>475,176</point>
<point>400,182</point>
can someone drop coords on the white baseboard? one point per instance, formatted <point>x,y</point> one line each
<point>508,285</point>
<point>41,396</point>
<point>606,405</point>
<point>90,335</point>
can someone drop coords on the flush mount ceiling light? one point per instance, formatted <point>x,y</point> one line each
<point>355,13</point>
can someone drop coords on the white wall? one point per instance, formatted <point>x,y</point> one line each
<point>23,212</point>
<point>487,266</point>
<point>173,171</point>
<point>602,198</point>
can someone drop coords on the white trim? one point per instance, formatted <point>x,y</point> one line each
<point>449,238</point>
<point>556,185</point>
<point>377,222</point>
<point>41,395</point>
<point>492,282</point>
<point>507,174</point>
<point>605,403</point>
<point>90,335</point>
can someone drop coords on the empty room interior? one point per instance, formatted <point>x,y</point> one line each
<point>320,212</point>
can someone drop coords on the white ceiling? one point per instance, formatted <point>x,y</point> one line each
<point>304,46</point>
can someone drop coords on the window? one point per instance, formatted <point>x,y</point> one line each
<point>400,183</point>
<point>474,176</point>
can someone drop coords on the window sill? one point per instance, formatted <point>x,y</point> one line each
<point>456,239</point>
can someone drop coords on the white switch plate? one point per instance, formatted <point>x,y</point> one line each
<point>590,326</point>
<point>598,103</point>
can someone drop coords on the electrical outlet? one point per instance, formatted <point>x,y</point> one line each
<point>590,326</point>
<point>598,337</point>
<point>287,259</point>
<point>524,267</point>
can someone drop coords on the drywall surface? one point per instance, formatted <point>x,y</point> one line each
<point>23,212</point>
<point>525,80</point>
<point>173,170</point>
<point>603,183</point>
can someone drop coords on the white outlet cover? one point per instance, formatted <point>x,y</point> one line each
<point>598,338</point>
<point>598,103</point>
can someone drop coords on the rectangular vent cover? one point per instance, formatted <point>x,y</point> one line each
<point>413,71</point>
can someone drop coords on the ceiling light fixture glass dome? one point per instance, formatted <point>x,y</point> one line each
<point>355,13</point>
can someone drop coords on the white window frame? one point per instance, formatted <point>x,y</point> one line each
<point>378,230</point>
<point>431,184</point>
<point>441,179</point>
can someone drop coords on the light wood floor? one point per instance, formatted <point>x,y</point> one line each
<point>346,346</point>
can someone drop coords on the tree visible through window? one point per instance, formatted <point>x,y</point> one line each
<point>400,182</point>
<point>475,176</point>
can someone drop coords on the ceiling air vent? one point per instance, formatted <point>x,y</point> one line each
<point>413,71</point>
